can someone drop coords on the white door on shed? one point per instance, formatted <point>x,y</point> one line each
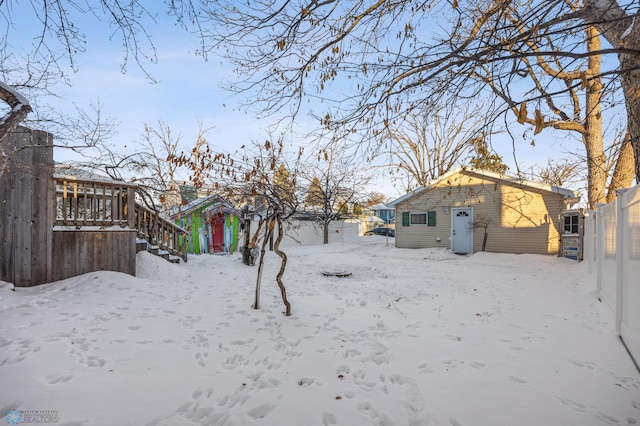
<point>462,230</point>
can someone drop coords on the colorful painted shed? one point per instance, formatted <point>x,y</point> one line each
<point>212,225</point>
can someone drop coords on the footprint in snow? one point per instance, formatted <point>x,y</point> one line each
<point>306,381</point>
<point>515,379</point>
<point>261,411</point>
<point>328,419</point>
<point>52,380</point>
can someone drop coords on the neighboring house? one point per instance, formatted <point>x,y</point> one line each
<point>182,192</point>
<point>386,213</point>
<point>179,193</point>
<point>469,210</point>
<point>212,225</point>
<point>370,223</point>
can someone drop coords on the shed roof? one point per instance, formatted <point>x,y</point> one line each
<point>566,193</point>
<point>194,205</point>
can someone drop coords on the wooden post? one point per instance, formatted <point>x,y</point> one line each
<point>26,208</point>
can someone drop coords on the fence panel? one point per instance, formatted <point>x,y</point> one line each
<point>590,240</point>
<point>606,249</point>
<point>629,251</point>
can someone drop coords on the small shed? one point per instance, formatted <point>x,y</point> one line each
<point>212,225</point>
<point>469,210</point>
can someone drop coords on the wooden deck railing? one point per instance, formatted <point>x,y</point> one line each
<point>159,231</point>
<point>101,203</point>
<point>84,202</point>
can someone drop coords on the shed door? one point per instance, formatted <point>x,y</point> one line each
<point>218,233</point>
<point>462,230</point>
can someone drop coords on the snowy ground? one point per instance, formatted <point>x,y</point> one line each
<point>413,337</point>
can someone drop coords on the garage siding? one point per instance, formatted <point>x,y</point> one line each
<point>518,218</point>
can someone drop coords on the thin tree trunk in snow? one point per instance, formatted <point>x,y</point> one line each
<point>267,232</point>
<point>283,265</point>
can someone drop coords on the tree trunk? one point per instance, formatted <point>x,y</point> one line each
<point>630,65</point>
<point>596,170</point>
<point>267,233</point>
<point>283,265</point>
<point>484,239</point>
<point>326,219</point>
<point>19,110</point>
<point>623,172</point>
<point>622,32</point>
<point>325,232</point>
<point>592,137</point>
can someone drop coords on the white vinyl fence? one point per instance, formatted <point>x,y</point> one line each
<point>308,233</point>
<point>615,247</point>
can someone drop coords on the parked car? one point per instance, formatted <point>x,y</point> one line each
<point>390,232</point>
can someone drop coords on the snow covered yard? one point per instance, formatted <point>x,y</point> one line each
<point>413,337</point>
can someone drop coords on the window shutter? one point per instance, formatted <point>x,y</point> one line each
<point>405,218</point>
<point>431,218</point>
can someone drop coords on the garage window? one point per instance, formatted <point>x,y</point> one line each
<point>418,218</point>
<point>428,218</point>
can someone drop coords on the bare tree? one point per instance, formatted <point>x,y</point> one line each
<point>288,52</point>
<point>333,182</point>
<point>152,165</point>
<point>88,131</point>
<point>393,54</point>
<point>569,94</point>
<point>373,199</point>
<point>56,37</point>
<point>38,49</point>
<point>571,172</point>
<point>250,177</point>
<point>431,142</point>
<point>559,173</point>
